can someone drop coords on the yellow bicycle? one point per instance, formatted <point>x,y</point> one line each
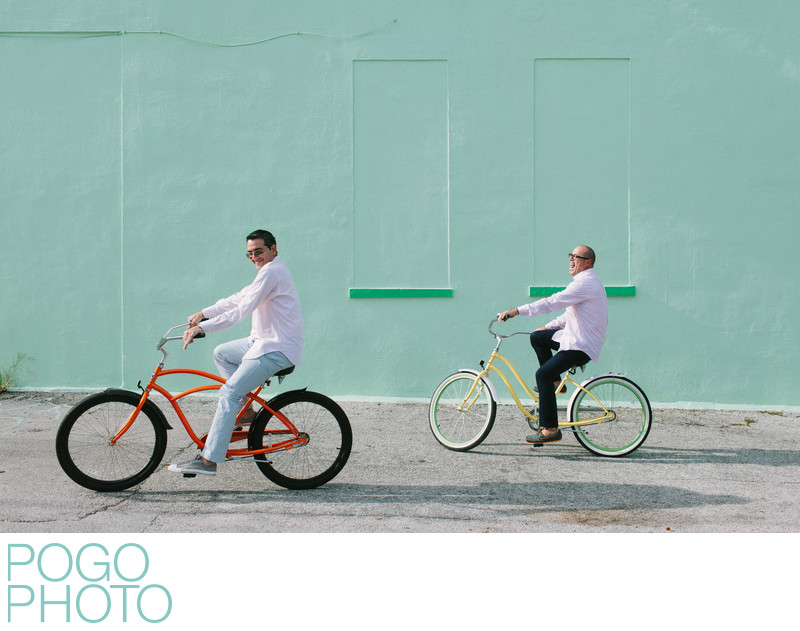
<point>609,414</point>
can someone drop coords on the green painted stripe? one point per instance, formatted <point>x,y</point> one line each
<point>366,292</point>
<point>611,290</point>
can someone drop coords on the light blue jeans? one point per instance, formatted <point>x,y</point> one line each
<point>243,376</point>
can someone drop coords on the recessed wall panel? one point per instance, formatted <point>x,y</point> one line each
<point>581,173</point>
<point>400,174</point>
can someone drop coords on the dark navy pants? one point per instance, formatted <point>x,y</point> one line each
<point>551,367</point>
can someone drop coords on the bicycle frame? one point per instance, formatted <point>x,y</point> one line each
<point>296,440</point>
<point>606,414</point>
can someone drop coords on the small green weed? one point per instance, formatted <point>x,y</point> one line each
<point>8,376</point>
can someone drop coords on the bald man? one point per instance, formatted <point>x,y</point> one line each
<point>577,335</point>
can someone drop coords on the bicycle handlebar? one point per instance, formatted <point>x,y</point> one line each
<point>498,336</point>
<point>165,338</point>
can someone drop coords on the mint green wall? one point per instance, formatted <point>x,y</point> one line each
<point>458,146</point>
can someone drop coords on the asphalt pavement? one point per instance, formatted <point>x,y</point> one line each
<point>700,471</point>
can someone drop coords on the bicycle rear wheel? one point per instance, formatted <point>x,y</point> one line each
<point>457,423</point>
<point>631,416</point>
<point>317,418</point>
<point>84,449</point>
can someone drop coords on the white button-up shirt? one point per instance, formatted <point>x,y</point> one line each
<point>583,324</point>
<point>272,299</point>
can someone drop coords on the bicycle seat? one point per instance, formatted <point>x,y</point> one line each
<point>281,374</point>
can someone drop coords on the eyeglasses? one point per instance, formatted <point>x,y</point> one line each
<point>251,254</point>
<point>576,256</point>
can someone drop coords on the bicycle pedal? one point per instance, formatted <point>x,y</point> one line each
<point>189,475</point>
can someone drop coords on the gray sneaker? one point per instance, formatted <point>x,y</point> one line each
<point>193,467</point>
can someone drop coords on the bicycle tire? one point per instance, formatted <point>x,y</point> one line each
<point>330,440</point>
<point>83,442</point>
<point>456,428</point>
<point>632,421</point>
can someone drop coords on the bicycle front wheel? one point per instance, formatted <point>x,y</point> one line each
<point>85,452</point>
<point>461,416</point>
<point>618,415</point>
<point>318,419</point>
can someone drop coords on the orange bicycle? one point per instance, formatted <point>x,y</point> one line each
<point>115,439</point>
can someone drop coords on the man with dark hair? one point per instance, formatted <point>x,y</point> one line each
<point>577,334</point>
<point>275,344</point>
<point>264,235</point>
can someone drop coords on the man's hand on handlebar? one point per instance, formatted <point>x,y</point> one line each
<point>507,315</point>
<point>196,318</point>
<point>191,333</point>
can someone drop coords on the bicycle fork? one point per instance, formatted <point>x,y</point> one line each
<point>130,420</point>
<point>134,415</point>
